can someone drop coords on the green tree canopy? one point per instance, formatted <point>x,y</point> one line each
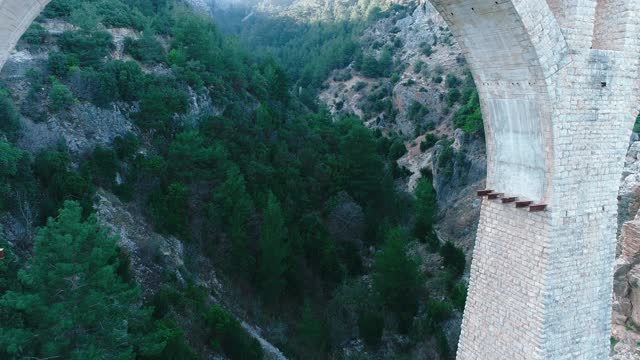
<point>397,278</point>
<point>426,209</point>
<point>274,251</point>
<point>72,301</point>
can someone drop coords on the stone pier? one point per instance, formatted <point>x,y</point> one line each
<point>558,84</point>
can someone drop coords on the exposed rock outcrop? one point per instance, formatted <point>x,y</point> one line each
<point>626,292</point>
<point>151,255</point>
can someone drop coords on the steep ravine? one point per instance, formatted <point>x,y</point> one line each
<point>80,130</point>
<point>418,70</point>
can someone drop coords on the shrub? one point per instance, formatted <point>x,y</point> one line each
<point>437,79</point>
<point>60,63</point>
<point>469,116</point>
<point>418,66</point>
<point>35,35</point>
<point>359,86</point>
<point>445,161</point>
<point>427,50</point>
<point>458,295</point>
<point>429,141</point>
<point>371,326</point>
<point>416,111</point>
<point>397,149</point>
<point>89,47</point>
<point>9,118</point>
<point>454,259</point>
<point>453,96</point>
<point>636,126</point>
<point>453,81</point>
<point>439,310</point>
<point>229,337</point>
<point>60,97</point>
<point>147,49</point>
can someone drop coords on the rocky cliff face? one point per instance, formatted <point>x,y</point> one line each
<point>424,54</point>
<point>626,293</point>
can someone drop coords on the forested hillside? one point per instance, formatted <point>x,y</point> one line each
<point>402,74</point>
<point>396,67</point>
<point>169,192</point>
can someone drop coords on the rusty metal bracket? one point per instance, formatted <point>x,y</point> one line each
<point>537,207</point>
<point>523,203</point>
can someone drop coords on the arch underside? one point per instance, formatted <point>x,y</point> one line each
<point>513,94</point>
<point>17,16</point>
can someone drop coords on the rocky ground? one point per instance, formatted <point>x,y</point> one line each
<point>626,293</point>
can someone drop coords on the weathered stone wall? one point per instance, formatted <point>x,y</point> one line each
<point>558,115</point>
<point>15,18</point>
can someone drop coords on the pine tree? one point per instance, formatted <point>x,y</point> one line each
<point>361,166</point>
<point>312,332</point>
<point>232,208</point>
<point>426,209</point>
<point>73,302</point>
<point>397,278</point>
<point>274,251</point>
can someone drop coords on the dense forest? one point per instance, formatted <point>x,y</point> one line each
<point>309,50</point>
<point>256,185</point>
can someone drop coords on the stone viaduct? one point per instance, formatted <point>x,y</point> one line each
<point>558,83</point>
<point>559,89</point>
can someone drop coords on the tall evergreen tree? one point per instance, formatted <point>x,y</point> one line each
<point>426,209</point>
<point>232,208</point>
<point>73,303</point>
<point>361,166</point>
<point>397,278</point>
<point>274,251</point>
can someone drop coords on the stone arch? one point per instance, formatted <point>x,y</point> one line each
<point>513,87</point>
<point>535,275</point>
<point>17,16</point>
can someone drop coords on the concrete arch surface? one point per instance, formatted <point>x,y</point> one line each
<point>512,76</point>
<point>15,18</point>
